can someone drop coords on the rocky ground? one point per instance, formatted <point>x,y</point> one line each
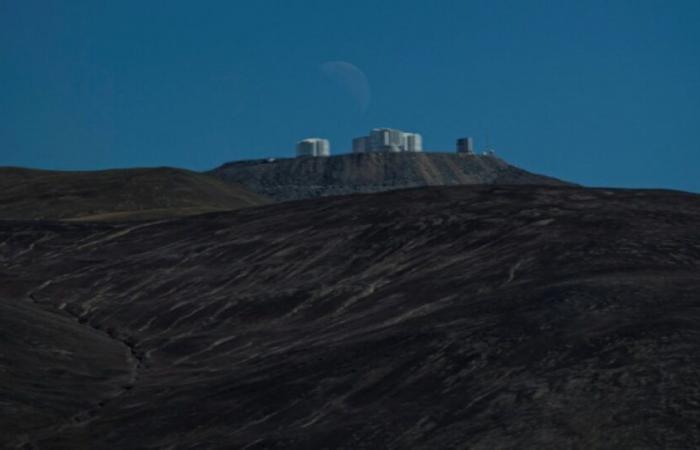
<point>472,317</point>
<point>299,178</point>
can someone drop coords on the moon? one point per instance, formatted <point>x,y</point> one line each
<point>349,77</point>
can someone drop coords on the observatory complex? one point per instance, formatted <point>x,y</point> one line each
<point>388,140</point>
<point>382,140</point>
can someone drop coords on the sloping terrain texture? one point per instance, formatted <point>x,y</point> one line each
<point>473,317</point>
<point>121,194</point>
<point>299,178</point>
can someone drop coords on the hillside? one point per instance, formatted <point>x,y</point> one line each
<point>298,178</point>
<point>449,317</point>
<point>122,194</point>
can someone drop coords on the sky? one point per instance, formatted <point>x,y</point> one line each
<point>603,93</point>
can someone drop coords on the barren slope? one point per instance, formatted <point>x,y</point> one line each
<point>122,194</point>
<point>298,178</point>
<point>462,317</point>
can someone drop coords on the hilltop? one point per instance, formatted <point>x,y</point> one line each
<point>447,317</point>
<point>119,194</point>
<point>308,177</point>
<point>156,193</point>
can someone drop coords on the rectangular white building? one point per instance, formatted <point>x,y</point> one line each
<point>388,140</point>
<point>465,145</point>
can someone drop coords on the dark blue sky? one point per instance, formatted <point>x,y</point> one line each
<point>598,92</point>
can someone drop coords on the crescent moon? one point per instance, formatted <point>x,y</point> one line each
<point>352,79</point>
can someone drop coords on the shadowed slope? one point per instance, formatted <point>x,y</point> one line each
<point>121,194</point>
<point>463,317</point>
<point>298,178</point>
<point>54,372</point>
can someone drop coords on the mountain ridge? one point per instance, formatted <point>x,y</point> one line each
<point>116,194</point>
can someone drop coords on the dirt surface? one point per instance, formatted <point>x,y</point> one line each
<point>299,178</point>
<point>115,195</point>
<point>472,317</point>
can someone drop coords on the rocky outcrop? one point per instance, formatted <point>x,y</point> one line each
<point>298,178</point>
